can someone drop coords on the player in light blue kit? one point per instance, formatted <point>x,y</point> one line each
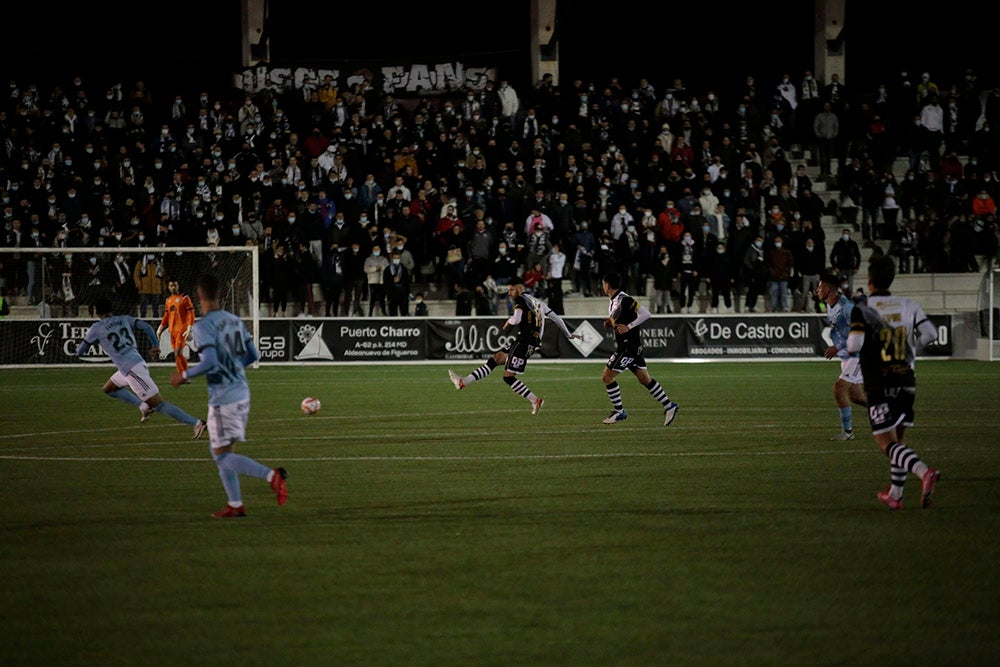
<point>224,349</point>
<point>116,336</point>
<point>849,387</point>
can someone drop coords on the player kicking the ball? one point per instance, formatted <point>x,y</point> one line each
<point>529,317</point>
<point>625,316</point>
<point>116,335</point>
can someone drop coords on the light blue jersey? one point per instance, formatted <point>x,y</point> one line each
<point>226,347</point>
<point>839,317</point>
<point>116,335</point>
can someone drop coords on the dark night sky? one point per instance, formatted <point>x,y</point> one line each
<point>706,44</point>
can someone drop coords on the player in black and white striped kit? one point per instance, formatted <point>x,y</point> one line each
<point>887,330</point>
<point>625,316</point>
<point>529,315</point>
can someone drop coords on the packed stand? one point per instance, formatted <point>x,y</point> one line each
<point>363,204</point>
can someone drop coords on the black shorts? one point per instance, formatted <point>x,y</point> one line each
<point>518,354</point>
<point>626,360</point>
<point>889,407</point>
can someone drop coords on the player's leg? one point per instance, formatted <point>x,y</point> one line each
<point>890,417</point>
<point>928,476</point>
<point>117,387</point>
<point>228,426</point>
<point>655,390</point>
<point>849,388</point>
<point>498,359</point>
<point>142,384</point>
<point>857,395</point>
<point>517,362</point>
<point>177,343</point>
<point>231,484</point>
<point>841,395</point>
<point>180,361</point>
<point>157,404</point>
<point>609,377</point>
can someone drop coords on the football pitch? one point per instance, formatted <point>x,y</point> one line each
<point>429,526</point>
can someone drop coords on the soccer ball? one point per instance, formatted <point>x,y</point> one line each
<point>310,405</point>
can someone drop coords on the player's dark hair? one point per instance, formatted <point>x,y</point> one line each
<point>102,306</point>
<point>831,279</point>
<point>209,286</point>
<point>881,272</point>
<point>613,279</point>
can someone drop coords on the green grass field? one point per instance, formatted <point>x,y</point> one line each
<point>427,526</point>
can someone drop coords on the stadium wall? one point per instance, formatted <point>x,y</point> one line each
<point>53,342</point>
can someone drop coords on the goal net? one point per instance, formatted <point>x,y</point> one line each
<point>989,311</point>
<point>51,292</point>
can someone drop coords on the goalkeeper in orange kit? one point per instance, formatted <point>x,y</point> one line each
<point>178,318</point>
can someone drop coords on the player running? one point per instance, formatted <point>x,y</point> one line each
<point>116,336</point>
<point>224,349</point>
<point>849,387</point>
<point>886,330</point>
<point>625,316</point>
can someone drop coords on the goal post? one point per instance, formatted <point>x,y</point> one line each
<point>63,284</point>
<point>989,311</point>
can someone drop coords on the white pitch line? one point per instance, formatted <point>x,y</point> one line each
<point>493,413</point>
<point>491,457</point>
<point>414,437</point>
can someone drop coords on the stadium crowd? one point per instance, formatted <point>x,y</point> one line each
<point>360,201</point>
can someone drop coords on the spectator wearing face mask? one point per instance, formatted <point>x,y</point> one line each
<point>983,205</point>
<point>719,278</point>
<point>124,285</point>
<point>148,276</point>
<point>809,263</point>
<point>780,263</point>
<point>397,279</point>
<point>689,271</point>
<point>374,267</point>
<point>307,274</point>
<point>755,272</point>
<point>845,258</point>
<point>354,279</point>
<point>281,274</point>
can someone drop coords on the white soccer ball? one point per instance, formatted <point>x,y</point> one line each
<point>310,405</point>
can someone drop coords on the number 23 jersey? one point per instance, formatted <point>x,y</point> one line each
<point>116,334</point>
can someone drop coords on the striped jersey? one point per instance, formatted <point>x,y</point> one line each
<point>623,309</point>
<point>532,321</point>
<point>892,326</point>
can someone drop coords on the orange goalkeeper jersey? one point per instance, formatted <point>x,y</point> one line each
<point>178,314</point>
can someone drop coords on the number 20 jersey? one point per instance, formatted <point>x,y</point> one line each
<point>890,325</point>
